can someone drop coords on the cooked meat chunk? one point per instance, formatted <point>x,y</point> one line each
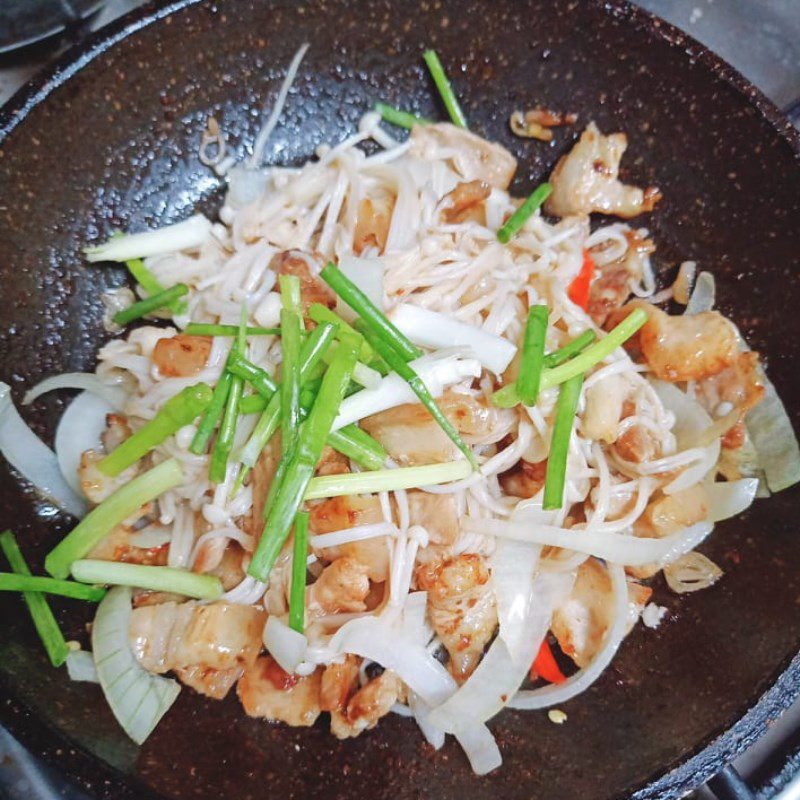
<point>372,223</point>
<point>682,348</point>
<point>586,180</point>
<point>472,157</point>
<point>198,641</point>
<point>461,607</point>
<point>265,690</point>
<point>436,513</point>
<point>306,267</point>
<point>366,707</point>
<point>181,356</point>
<point>580,623</point>
<point>466,203</point>
<point>524,479</point>
<point>342,587</point>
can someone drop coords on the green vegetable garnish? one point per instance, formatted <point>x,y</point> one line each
<point>565,353</point>
<point>297,594</point>
<point>530,369</point>
<point>43,619</point>
<point>178,411</point>
<point>205,429</point>
<point>523,213</point>
<point>507,397</point>
<point>556,474</point>
<point>111,512</point>
<point>11,582</point>
<point>445,89</point>
<point>406,372</point>
<point>150,304</point>
<point>145,278</point>
<point>291,327</point>
<point>373,318</point>
<point>207,329</point>
<point>258,378</point>
<point>403,119</point>
<point>291,482</point>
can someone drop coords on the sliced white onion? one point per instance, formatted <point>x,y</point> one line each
<point>691,573</point>
<point>774,439</point>
<point>481,748</point>
<point>414,619</point>
<point>727,499</point>
<point>186,235</point>
<point>421,711</point>
<point>366,376</point>
<point>703,296</point>
<point>80,666</point>
<point>374,638</point>
<point>498,676</point>
<point>437,371</point>
<point>691,423</point>
<point>88,381</point>
<point>137,698</point>
<point>33,459</point>
<point>513,566</point>
<point>284,644</point>
<point>431,329</point>
<point>367,275</point>
<point>617,548</point>
<point>555,694</point>
<point>79,430</point>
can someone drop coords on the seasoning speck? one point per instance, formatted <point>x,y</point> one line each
<point>557,716</point>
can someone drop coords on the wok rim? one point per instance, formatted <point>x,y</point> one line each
<point>99,778</point>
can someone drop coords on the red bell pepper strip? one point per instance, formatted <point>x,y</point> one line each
<point>544,666</point>
<point>578,290</point>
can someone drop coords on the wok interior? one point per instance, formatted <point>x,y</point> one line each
<point>117,147</point>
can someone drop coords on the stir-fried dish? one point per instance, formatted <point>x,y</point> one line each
<point>393,440</point>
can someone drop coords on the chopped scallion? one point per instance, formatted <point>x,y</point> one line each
<point>297,594</point>
<point>386,480</point>
<point>445,89</point>
<point>178,411</point>
<point>507,397</point>
<point>524,213</point>
<point>150,304</point>
<point>11,582</point>
<point>556,473</point>
<point>565,353</point>
<point>406,372</point>
<point>291,333</point>
<point>403,119</point>
<point>205,429</point>
<point>43,619</point>
<point>530,368</point>
<point>114,509</point>
<point>258,378</point>
<point>291,482</point>
<point>145,278</point>
<point>372,317</point>
<point>323,315</point>
<point>206,329</point>
<point>157,579</point>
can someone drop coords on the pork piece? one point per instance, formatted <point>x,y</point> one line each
<point>581,622</point>
<point>366,707</point>
<point>637,445</point>
<point>116,546</point>
<point>181,356</point>
<point>436,513</point>
<point>210,645</point>
<point>461,607</point>
<point>229,570</point>
<point>372,223</point>
<point>265,690</point>
<point>668,514</point>
<point>604,404</point>
<point>338,684</point>
<point>472,157</point>
<point>96,485</point>
<point>332,462</point>
<point>682,348</point>
<point>466,203</point>
<point>341,588</point>
<point>731,393</point>
<point>524,479</point>
<point>351,511</point>
<point>306,267</point>
<point>611,285</point>
<point>586,180</point>
<point>412,436</point>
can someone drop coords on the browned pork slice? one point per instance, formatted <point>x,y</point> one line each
<point>265,690</point>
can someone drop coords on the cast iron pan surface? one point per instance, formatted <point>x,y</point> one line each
<point>109,141</point>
